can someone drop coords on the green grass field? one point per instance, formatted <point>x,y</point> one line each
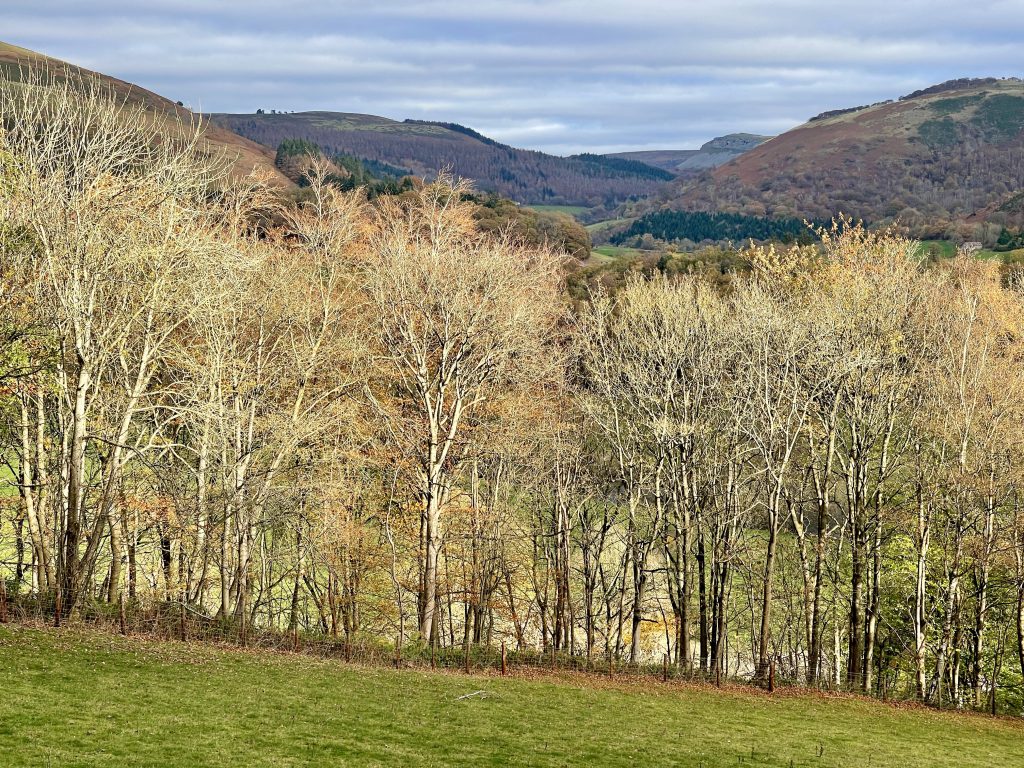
<point>572,210</point>
<point>79,698</point>
<point>618,252</point>
<point>601,226</point>
<point>946,249</point>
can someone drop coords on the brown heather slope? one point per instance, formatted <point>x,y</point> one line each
<point>949,154</point>
<point>245,155</point>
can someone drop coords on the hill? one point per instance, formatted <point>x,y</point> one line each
<point>244,154</point>
<point>127,701</point>
<point>712,154</point>
<point>423,148</point>
<point>930,159</point>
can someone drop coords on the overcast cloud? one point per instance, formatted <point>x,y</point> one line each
<point>558,75</point>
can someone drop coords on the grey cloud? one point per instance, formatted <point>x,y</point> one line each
<point>558,75</point>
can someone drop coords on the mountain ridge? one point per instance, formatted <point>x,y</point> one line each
<point>711,154</point>
<point>931,160</point>
<point>425,147</point>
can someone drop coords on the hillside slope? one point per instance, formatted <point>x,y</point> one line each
<point>244,154</point>
<point>127,701</point>
<point>424,148</point>
<point>932,157</point>
<point>712,154</point>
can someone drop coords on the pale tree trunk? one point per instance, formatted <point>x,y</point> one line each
<point>225,564</point>
<point>32,493</point>
<point>42,481</point>
<point>70,564</point>
<point>817,619</point>
<point>854,661</point>
<point>116,554</point>
<point>946,642</point>
<point>874,604</point>
<point>642,548</point>
<point>982,574</point>
<point>806,580</point>
<point>431,519</point>
<point>1019,617</point>
<point>874,607</point>
<point>920,593</point>
<point>764,635</point>
<point>196,581</point>
<point>821,477</point>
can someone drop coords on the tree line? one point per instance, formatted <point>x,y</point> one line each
<point>699,226</point>
<point>375,420</point>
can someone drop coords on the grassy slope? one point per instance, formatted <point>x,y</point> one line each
<point>572,210</point>
<point>618,251</point>
<point>600,226</point>
<point>78,698</point>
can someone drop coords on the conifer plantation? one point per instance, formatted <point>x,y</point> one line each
<point>371,424</point>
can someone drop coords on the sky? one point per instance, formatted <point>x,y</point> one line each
<point>561,76</point>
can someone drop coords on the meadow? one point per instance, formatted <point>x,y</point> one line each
<point>78,697</point>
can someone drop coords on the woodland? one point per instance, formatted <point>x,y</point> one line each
<point>525,176</point>
<point>380,420</point>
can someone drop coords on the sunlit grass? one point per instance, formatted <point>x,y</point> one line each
<point>73,697</point>
<point>571,210</point>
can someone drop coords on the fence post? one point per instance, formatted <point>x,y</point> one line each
<point>504,666</point>
<point>120,613</point>
<point>57,610</point>
<point>664,669</point>
<point>433,652</point>
<point>3,601</point>
<point>398,651</point>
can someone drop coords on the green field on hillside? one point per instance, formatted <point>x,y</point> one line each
<point>79,698</point>
<point>618,251</point>
<point>602,226</point>
<point>946,249</point>
<point>572,210</point>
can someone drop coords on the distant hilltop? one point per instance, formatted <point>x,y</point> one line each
<point>712,154</point>
<point>934,159</point>
<point>424,147</point>
<point>960,84</point>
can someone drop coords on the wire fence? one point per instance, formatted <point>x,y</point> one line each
<point>176,621</point>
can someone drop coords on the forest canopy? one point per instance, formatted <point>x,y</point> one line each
<point>698,226</point>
